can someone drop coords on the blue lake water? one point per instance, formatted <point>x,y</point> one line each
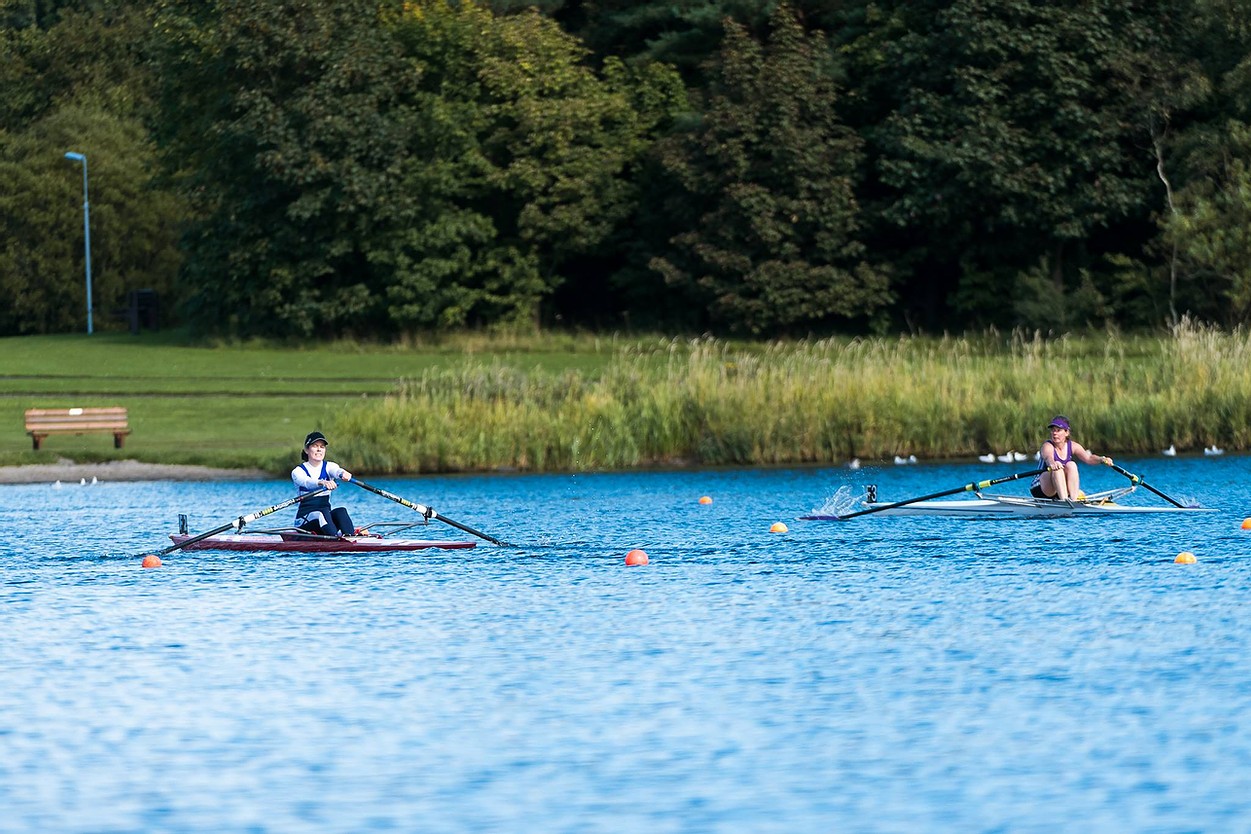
<point>881,674</point>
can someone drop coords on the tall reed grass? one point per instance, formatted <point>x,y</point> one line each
<point>708,402</point>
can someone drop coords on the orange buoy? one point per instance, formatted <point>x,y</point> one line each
<point>705,500</point>
<point>1185,558</point>
<point>636,557</point>
<point>778,527</point>
<point>1246,524</point>
<point>151,561</point>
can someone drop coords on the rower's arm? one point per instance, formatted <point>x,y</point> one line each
<point>1090,457</point>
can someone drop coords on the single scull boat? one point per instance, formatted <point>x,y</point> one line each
<point>292,540</point>
<point>987,505</point>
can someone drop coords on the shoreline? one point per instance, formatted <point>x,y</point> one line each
<point>121,470</point>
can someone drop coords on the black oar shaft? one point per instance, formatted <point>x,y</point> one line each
<point>1138,481</point>
<point>239,522</point>
<point>428,512</point>
<point>976,485</point>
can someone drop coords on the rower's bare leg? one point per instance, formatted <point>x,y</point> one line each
<point>1073,480</point>
<point>1055,485</point>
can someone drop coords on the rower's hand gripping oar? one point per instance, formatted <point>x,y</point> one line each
<point>1137,480</point>
<point>427,512</point>
<point>973,487</point>
<point>239,522</point>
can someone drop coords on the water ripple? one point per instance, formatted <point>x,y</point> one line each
<point>873,675</point>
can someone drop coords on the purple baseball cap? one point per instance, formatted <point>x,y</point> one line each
<point>1060,423</point>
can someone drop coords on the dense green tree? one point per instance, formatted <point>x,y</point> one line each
<point>74,76</point>
<point>94,54</point>
<point>1002,138</point>
<point>763,201</point>
<point>685,33</point>
<point>552,142</point>
<point>1212,230</point>
<point>289,124</point>
<point>41,14</point>
<point>134,227</point>
<point>432,164</point>
<point>1203,142</point>
<point>380,166</point>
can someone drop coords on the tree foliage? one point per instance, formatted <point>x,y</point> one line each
<point>1205,230</point>
<point>372,167</point>
<point>1000,133</point>
<point>764,192</point>
<point>73,76</point>
<point>134,226</point>
<point>427,166</point>
<point>553,142</point>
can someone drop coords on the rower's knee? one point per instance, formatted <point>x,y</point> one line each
<point>342,521</point>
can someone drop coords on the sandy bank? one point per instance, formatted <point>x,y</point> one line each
<point>121,470</point>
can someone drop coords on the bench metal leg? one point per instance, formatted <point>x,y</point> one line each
<point>37,438</point>
<point>119,440</point>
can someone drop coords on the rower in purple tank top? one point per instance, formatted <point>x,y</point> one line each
<point>1058,459</point>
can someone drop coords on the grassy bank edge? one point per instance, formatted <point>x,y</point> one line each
<point>616,404</point>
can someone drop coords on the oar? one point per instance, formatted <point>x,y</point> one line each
<point>1137,480</point>
<point>976,485</point>
<point>238,523</point>
<point>428,512</point>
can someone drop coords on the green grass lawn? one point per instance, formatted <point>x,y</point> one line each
<point>554,401</point>
<point>226,405</point>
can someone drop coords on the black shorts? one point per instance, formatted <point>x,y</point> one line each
<point>1037,491</point>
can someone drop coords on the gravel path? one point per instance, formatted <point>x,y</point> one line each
<point>121,470</point>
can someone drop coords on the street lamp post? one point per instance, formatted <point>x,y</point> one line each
<point>77,157</point>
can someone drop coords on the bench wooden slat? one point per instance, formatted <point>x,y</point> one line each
<point>41,422</point>
<point>104,419</point>
<point>84,412</point>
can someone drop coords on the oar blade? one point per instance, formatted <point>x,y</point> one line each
<point>1137,480</point>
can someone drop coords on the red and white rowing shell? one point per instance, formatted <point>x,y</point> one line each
<point>309,544</point>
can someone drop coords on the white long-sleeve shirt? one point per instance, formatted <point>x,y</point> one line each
<point>307,483</point>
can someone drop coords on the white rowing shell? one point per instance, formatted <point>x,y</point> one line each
<point>1011,506</point>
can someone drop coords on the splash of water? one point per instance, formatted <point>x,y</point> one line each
<point>840,503</point>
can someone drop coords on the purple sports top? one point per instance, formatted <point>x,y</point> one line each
<point>1068,456</point>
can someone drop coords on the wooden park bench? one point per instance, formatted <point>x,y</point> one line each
<point>41,422</point>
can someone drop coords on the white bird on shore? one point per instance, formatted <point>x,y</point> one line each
<point>1038,456</point>
<point>989,457</point>
<point>57,485</point>
<point>854,463</point>
<point>93,479</point>
<point>1170,452</point>
<point>1213,450</point>
<point>1005,458</point>
<point>1019,456</point>
<point>900,461</point>
<point>82,481</point>
<point>912,458</point>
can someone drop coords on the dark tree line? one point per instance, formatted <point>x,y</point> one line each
<point>344,167</point>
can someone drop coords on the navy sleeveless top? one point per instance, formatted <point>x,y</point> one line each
<point>312,505</point>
